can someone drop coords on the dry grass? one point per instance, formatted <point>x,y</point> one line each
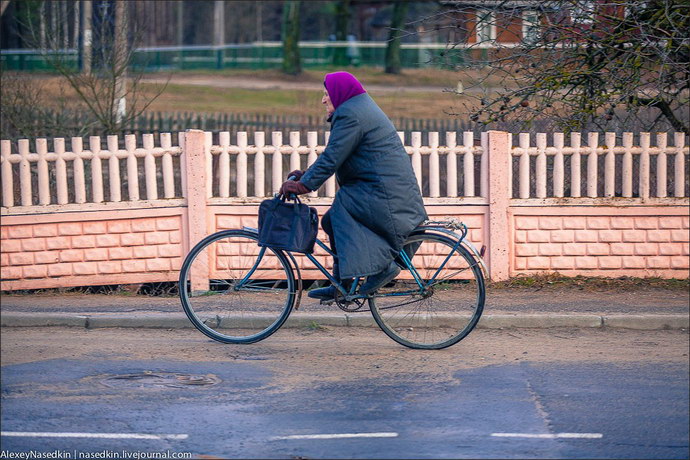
<point>367,75</point>
<point>624,283</point>
<point>411,104</point>
<point>425,103</point>
<point>543,281</point>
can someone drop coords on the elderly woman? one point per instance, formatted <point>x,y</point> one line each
<point>378,203</point>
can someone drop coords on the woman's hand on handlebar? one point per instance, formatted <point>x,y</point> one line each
<point>297,174</point>
<point>291,187</point>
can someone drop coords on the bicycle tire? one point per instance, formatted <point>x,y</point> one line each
<point>227,301</point>
<point>447,311</point>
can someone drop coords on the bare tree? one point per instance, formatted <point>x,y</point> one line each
<point>24,110</point>
<point>107,88</point>
<point>577,63</point>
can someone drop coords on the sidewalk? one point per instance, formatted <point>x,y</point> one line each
<point>637,308</point>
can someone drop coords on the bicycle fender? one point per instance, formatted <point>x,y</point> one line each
<point>295,268</point>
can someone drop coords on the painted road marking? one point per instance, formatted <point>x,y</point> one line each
<point>549,435</point>
<point>336,436</point>
<point>33,434</point>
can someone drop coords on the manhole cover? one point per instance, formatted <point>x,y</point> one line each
<point>149,379</point>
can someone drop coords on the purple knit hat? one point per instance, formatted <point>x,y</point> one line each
<point>341,86</point>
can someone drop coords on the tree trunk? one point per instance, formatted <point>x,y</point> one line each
<point>218,23</point>
<point>291,58</point>
<point>64,25</point>
<point>120,62</point>
<point>342,17</point>
<point>42,26</point>
<point>87,37</point>
<point>54,25</point>
<point>75,30</point>
<point>259,22</point>
<point>393,64</point>
<point>180,33</point>
<point>219,30</point>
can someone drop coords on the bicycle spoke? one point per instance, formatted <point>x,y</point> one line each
<point>233,295</point>
<point>445,309</point>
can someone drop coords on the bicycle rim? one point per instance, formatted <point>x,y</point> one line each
<point>230,294</point>
<point>447,310</point>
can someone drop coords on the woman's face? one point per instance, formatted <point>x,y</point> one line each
<point>326,100</point>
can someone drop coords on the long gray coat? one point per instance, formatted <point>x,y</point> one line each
<point>379,202</point>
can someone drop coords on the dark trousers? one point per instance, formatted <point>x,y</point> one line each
<point>328,228</point>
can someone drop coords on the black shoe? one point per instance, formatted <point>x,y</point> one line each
<point>328,293</point>
<point>377,281</point>
<point>325,293</point>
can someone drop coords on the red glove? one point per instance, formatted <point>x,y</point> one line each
<point>293,187</point>
<point>297,173</point>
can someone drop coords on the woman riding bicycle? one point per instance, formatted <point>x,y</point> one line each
<point>379,202</point>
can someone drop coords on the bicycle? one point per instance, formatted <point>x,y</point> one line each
<point>234,291</point>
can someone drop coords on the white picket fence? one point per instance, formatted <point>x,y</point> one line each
<point>53,186</point>
<point>241,169</point>
<point>593,151</point>
<point>294,153</point>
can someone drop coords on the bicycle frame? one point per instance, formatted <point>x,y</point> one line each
<point>350,295</point>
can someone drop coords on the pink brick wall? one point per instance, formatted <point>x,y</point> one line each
<point>599,241</point>
<point>147,245</point>
<point>124,247</point>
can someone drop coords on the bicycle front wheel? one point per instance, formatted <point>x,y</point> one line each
<point>438,305</point>
<point>234,291</point>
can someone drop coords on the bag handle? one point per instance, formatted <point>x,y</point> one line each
<point>285,198</point>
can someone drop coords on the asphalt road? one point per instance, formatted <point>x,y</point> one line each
<point>345,393</point>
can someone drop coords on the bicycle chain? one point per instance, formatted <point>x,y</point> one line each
<point>347,306</point>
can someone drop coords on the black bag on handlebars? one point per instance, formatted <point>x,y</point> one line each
<point>291,226</point>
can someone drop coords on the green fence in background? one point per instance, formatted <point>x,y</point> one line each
<point>259,55</point>
<point>35,60</point>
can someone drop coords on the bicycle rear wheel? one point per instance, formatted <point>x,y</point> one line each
<point>234,291</point>
<point>447,305</point>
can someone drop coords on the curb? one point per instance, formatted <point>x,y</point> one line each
<point>651,321</point>
<point>298,320</point>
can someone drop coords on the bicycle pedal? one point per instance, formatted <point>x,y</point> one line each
<point>326,301</point>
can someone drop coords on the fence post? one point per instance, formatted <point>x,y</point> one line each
<point>499,201</point>
<point>7,177</point>
<point>197,194</point>
<point>25,173</point>
<point>43,174</point>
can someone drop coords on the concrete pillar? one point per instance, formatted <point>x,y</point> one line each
<point>499,202</point>
<point>197,216</point>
